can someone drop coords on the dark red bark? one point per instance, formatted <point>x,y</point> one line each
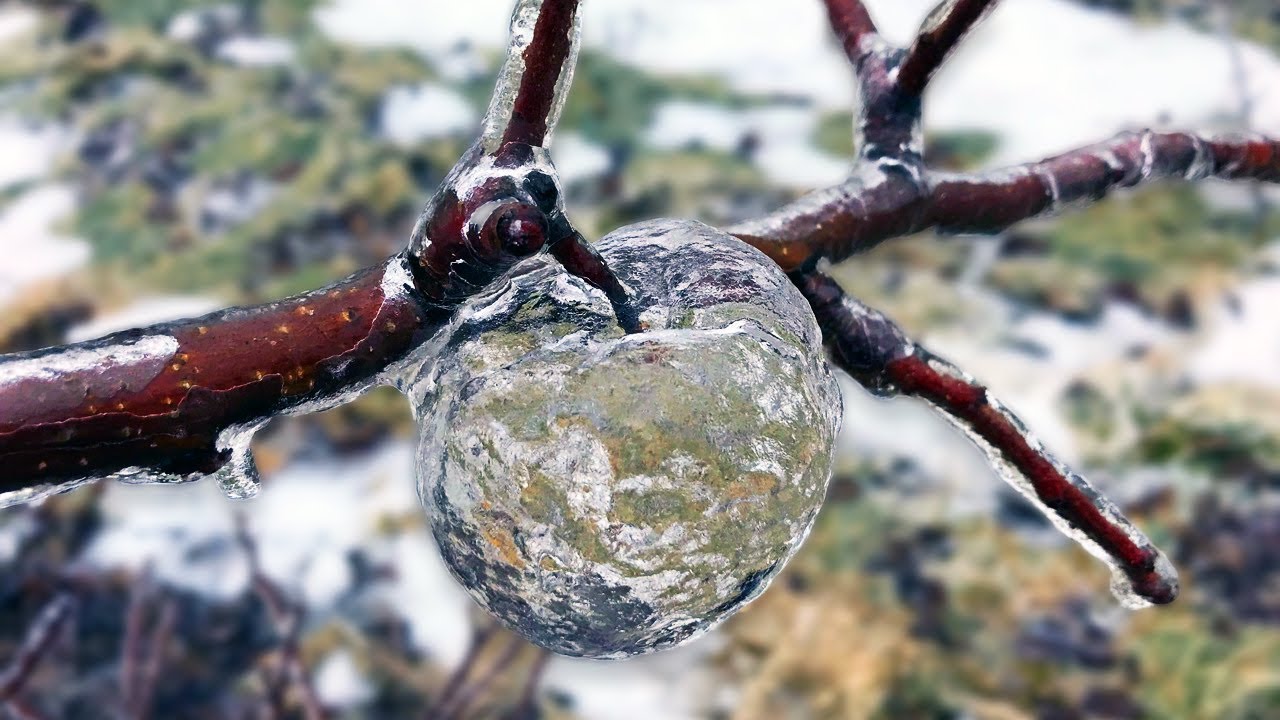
<point>889,200</point>
<point>166,399</point>
<point>876,353</point>
<point>546,60</point>
<point>969,403</point>
<point>942,31</point>
<point>852,24</point>
<point>158,398</point>
<point>580,258</point>
<point>991,202</point>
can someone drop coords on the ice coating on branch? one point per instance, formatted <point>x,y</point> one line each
<point>96,373</point>
<point>523,21</point>
<point>605,494</point>
<point>1121,585</point>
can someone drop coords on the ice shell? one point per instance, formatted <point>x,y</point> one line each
<point>609,495</point>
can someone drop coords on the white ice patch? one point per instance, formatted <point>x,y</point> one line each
<point>1243,345</point>
<point>339,682</point>
<point>579,159</point>
<point>29,151</point>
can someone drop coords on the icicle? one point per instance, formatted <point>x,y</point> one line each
<point>239,478</point>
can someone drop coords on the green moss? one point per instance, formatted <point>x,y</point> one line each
<point>957,150</point>
<point>656,509</point>
<point>614,103</point>
<point>960,149</point>
<point>834,133</point>
<point>1155,241</point>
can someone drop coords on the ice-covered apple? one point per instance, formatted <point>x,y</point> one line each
<point>605,494</point>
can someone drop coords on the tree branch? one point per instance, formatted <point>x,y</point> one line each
<point>940,34</point>
<point>852,25</point>
<point>41,635</point>
<point>991,202</point>
<point>168,398</point>
<point>288,615</point>
<point>180,400</point>
<point>887,199</point>
<point>876,353</point>
<point>548,65</point>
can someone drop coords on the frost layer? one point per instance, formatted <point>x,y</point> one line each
<point>609,495</point>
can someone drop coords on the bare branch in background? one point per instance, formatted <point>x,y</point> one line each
<point>142,655</point>
<point>473,690</point>
<point>289,617</point>
<point>39,641</point>
<point>481,632</point>
<point>527,708</point>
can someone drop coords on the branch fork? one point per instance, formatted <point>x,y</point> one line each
<point>892,192</point>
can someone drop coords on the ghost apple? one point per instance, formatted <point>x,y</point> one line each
<point>607,495</point>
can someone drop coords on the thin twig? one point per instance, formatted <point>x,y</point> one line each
<point>876,353</point>
<point>39,640</point>
<point>941,32</point>
<point>1240,78</point>
<point>131,646</point>
<point>470,693</point>
<point>527,707</point>
<point>288,617</point>
<point>21,709</point>
<point>161,634</point>
<point>480,635</point>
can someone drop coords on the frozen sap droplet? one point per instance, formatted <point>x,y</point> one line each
<point>239,478</point>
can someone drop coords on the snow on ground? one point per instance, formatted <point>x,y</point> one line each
<point>673,684</point>
<point>31,249</point>
<point>144,311</point>
<point>578,159</point>
<point>339,683</point>
<point>786,152</point>
<point>16,21</point>
<point>28,151</point>
<point>306,519</point>
<point>1244,345</point>
<point>430,110</point>
<point>257,51</point>
<point>1022,75</point>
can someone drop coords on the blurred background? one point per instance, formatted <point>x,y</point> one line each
<point>163,158</point>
